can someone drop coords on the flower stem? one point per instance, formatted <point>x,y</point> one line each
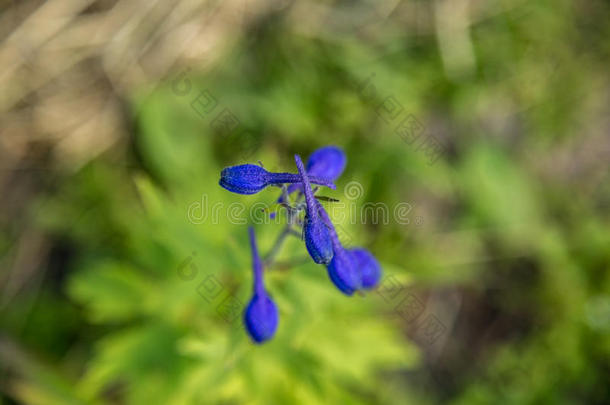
<point>257,265</point>
<point>277,245</point>
<point>291,219</point>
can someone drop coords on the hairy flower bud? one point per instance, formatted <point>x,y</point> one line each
<point>342,269</point>
<point>327,162</point>
<point>250,179</point>
<point>315,232</point>
<point>368,267</point>
<point>261,315</point>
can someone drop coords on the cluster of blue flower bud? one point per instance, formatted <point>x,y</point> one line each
<point>350,270</point>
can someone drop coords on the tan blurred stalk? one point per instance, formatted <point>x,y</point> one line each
<point>67,68</point>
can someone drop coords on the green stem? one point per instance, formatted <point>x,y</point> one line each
<point>277,245</point>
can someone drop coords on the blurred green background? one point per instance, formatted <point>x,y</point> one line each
<point>505,247</point>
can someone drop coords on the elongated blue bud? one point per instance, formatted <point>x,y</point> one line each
<point>315,232</point>
<point>261,315</point>
<point>327,162</point>
<point>250,179</point>
<point>368,266</point>
<point>342,269</point>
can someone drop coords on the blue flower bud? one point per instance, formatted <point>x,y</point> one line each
<point>261,318</point>
<point>315,232</point>
<point>250,179</point>
<point>261,315</point>
<point>368,266</point>
<point>327,162</point>
<point>342,269</point>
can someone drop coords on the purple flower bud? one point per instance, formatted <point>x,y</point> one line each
<point>342,269</point>
<point>327,162</point>
<point>250,179</point>
<point>261,315</point>
<point>368,266</point>
<point>317,238</point>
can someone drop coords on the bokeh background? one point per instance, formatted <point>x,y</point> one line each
<point>497,282</point>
